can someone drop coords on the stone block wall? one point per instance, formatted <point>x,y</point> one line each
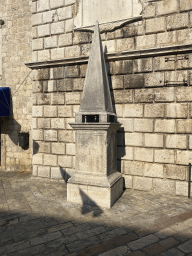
<point>56,100</point>
<point>15,52</point>
<point>151,92</point>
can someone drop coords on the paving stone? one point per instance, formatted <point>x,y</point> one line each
<point>186,247</point>
<point>79,228</point>
<point>63,240</point>
<point>169,242</point>
<point>3,250</point>
<point>79,245</point>
<point>179,227</point>
<point>49,222</point>
<point>60,249</point>
<point>34,225</point>
<point>137,253</point>
<point>45,238</point>
<point>92,250</point>
<point>154,249</point>
<point>188,222</point>
<point>142,242</point>
<point>165,233</point>
<point>109,244</point>
<point>5,241</point>
<point>22,237</point>
<point>17,246</point>
<point>144,232</point>
<point>119,251</point>
<point>33,250</point>
<point>121,240</point>
<point>57,252</point>
<point>172,252</point>
<point>91,232</point>
<point>59,227</point>
<point>180,237</point>
<point>111,234</point>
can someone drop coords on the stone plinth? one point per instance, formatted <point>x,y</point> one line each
<point>96,180</point>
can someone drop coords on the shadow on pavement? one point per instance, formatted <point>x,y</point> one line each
<point>86,207</point>
<point>36,219</point>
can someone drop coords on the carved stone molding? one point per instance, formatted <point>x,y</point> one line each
<point>135,54</point>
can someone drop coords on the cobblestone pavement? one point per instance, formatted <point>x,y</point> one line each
<point>36,219</point>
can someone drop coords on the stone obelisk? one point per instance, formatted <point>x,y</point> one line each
<point>96,180</point>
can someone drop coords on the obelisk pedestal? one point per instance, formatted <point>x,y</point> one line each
<point>96,180</point>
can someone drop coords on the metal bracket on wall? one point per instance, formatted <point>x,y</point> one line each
<point>179,57</point>
<point>151,1</point>
<point>189,182</point>
<point>183,83</point>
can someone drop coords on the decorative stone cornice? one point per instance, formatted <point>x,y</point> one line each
<point>135,54</point>
<point>96,126</point>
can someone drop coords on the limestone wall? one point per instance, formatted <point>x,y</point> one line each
<point>56,100</point>
<point>15,51</point>
<point>151,92</point>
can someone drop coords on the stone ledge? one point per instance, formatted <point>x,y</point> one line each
<point>96,126</point>
<point>135,54</point>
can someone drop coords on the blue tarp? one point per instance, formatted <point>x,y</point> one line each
<point>4,101</point>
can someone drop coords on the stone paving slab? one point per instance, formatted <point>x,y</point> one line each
<point>36,219</point>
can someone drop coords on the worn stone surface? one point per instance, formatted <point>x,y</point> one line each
<point>96,96</point>
<point>102,12</point>
<point>36,219</point>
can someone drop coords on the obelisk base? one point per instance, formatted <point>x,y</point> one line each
<point>94,195</point>
<point>96,180</point>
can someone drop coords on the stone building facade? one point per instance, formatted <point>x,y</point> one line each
<point>149,62</point>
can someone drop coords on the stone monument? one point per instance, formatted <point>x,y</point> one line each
<point>96,180</point>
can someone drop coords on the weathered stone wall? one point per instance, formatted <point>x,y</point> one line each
<point>16,50</point>
<point>56,100</point>
<point>152,95</point>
